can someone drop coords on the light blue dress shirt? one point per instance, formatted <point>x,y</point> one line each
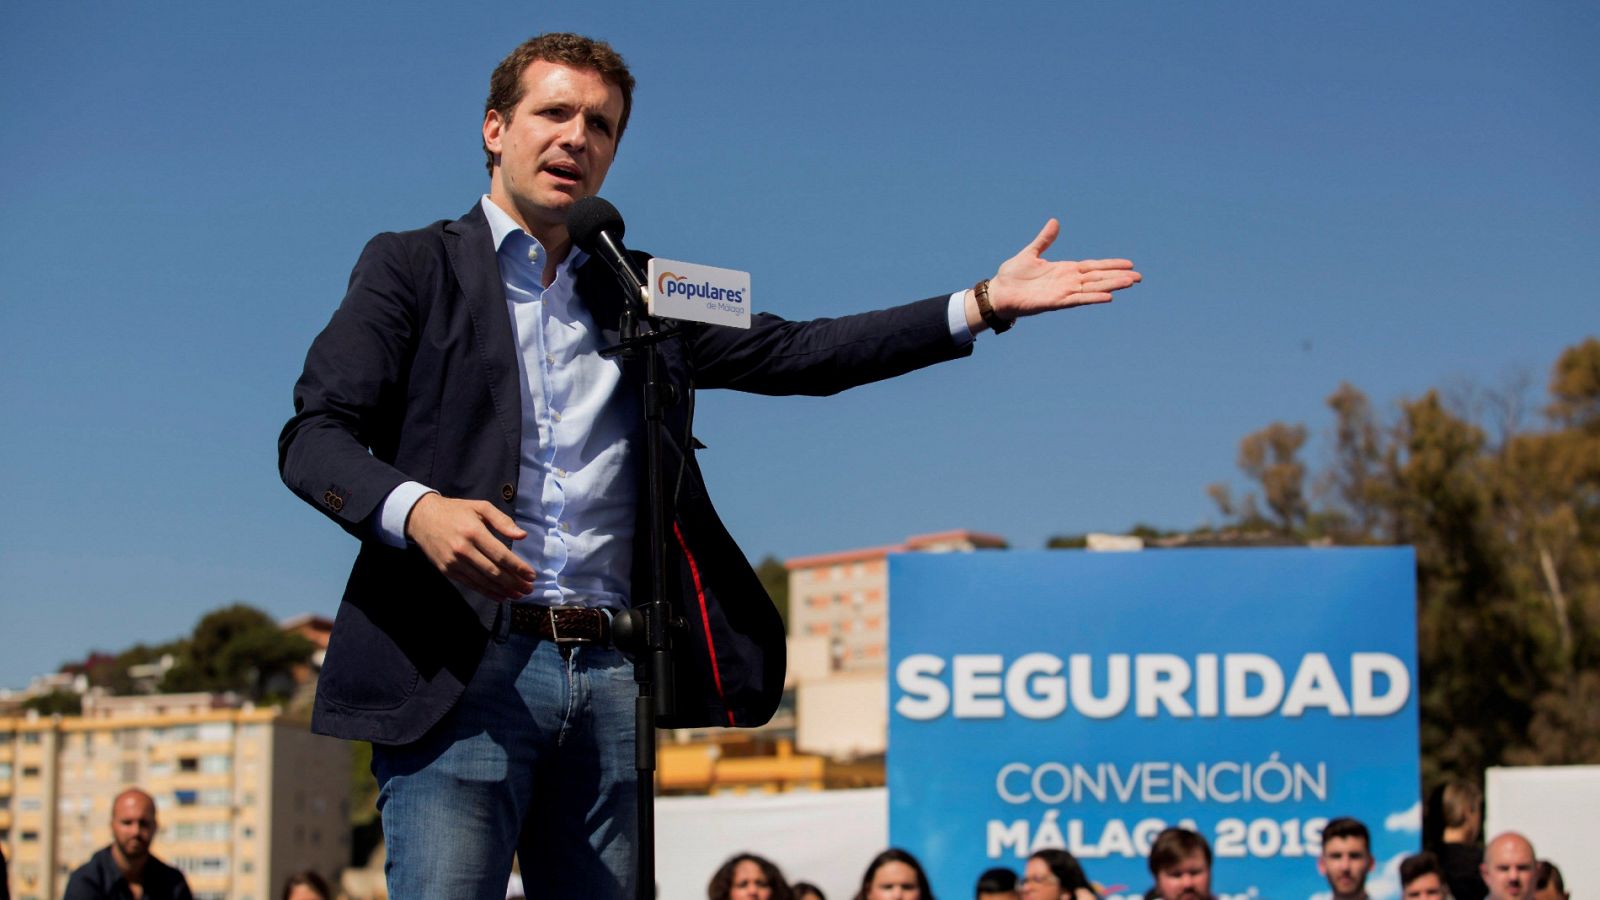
<point>577,487</point>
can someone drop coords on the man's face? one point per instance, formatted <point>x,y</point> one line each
<point>557,145</point>
<point>1345,862</point>
<point>1424,887</point>
<point>133,826</point>
<point>1508,868</point>
<point>1190,879</point>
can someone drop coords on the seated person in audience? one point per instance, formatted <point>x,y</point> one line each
<point>1346,858</point>
<point>1055,875</point>
<point>1550,883</point>
<point>1510,868</point>
<point>998,883</point>
<point>1180,862</point>
<point>746,876</point>
<point>306,885</point>
<point>1422,878</point>
<point>894,874</point>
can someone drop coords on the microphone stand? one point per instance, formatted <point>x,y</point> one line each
<point>644,631</point>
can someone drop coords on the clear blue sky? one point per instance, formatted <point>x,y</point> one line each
<point>1398,195</point>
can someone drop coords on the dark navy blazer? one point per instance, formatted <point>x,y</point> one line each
<point>415,379</point>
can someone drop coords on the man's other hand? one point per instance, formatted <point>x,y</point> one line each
<point>1028,284</point>
<point>455,535</point>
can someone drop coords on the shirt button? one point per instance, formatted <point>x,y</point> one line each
<point>550,358</point>
<point>508,491</point>
<point>533,254</point>
<point>555,414</point>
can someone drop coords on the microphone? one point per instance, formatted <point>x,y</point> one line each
<point>596,228</point>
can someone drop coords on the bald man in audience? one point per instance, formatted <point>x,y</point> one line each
<point>1509,868</point>
<point>126,868</point>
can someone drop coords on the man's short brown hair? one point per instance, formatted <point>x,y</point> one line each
<point>1175,845</point>
<point>563,48</point>
<point>1414,867</point>
<point>1346,827</point>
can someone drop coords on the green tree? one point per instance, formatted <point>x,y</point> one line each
<point>774,577</point>
<point>1507,537</point>
<point>1271,457</point>
<point>66,703</point>
<point>238,648</point>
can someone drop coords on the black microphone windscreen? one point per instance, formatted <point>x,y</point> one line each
<point>590,216</point>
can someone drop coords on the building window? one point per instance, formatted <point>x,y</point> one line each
<point>181,733</point>
<point>216,731</point>
<point>188,764</point>
<point>215,763</point>
<point>5,771</point>
<point>32,737</point>
<point>30,771</point>
<point>29,837</point>
<point>186,798</point>
<point>130,772</point>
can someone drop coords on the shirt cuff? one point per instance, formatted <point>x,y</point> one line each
<point>956,315</point>
<point>396,509</point>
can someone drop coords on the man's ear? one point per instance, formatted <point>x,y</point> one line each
<point>493,129</point>
<point>1322,867</point>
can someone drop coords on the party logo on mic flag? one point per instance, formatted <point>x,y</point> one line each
<point>696,293</point>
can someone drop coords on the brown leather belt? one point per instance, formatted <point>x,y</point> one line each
<point>562,624</point>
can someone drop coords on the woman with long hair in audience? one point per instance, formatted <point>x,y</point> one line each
<point>1055,875</point>
<point>894,874</point>
<point>746,876</point>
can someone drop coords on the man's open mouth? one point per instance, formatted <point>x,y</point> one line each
<point>565,171</point>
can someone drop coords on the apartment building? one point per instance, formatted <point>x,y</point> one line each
<point>244,796</point>
<point>839,642</point>
<point>843,596</point>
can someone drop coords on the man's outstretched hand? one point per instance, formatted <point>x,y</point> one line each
<point>1028,284</point>
<point>455,535</point>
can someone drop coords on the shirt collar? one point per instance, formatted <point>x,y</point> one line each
<point>502,226</point>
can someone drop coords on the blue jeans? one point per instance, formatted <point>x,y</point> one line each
<point>535,758</point>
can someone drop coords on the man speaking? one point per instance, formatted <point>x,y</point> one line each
<point>456,417</point>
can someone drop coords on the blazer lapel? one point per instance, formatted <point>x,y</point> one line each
<point>470,246</point>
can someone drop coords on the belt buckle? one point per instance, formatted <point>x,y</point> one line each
<point>555,633</point>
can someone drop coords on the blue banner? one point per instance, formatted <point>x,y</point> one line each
<point>1087,700</point>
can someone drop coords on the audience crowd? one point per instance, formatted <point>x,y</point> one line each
<point>1452,866</point>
